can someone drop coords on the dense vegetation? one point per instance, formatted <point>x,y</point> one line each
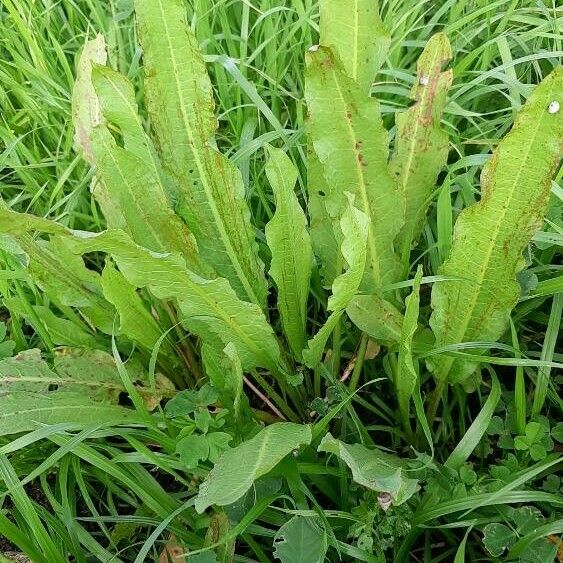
<point>280,280</point>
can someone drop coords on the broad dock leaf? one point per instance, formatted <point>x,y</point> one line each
<point>342,25</point>
<point>355,33</point>
<point>86,113</point>
<point>131,174</point>
<point>82,387</point>
<point>24,412</point>
<point>300,540</point>
<point>238,468</point>
<point>490,236</point>
<point>180,104</point>
<point>421,145</point>
<point>373,468</point>
<point>65,279</point>
<point>375,316</point>
<point>292,256</point>
<point>352,146</point>
<point>354,225</point>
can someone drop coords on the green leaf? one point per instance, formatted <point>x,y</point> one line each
<point>490,236</point>
<point>188,401</point>
<point>225,373</point>
<point>375,316</point>
<point>497,538</point>
<point>180,104</point>
<point>24,412</point>
<point>373,468</point>
<point>63,332</point>
<point>354,227</point>
<point>238,468</point>
<point>351,143</point>
<point>61,275</point>
<point>357,36</point>
<point>131,175</point>
<point>421,146</point>
<point>135,321</point>
<point>292,256</point>
<point>407,371</point>
<point>210,308</point>
<point>92,373</point>
<point>193,449</point>
<point>300,540</point>
<point>326,237</point>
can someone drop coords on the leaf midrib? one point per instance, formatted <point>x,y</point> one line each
<point>460,333</point>
<point>201,169</point>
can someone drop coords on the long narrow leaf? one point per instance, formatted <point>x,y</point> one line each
<point>490,236</point>
<point>421,145</point>
<point>292,256</point>
<point>180,103</point>
<point>352,146</point>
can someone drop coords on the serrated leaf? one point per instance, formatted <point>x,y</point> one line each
<point>292,256</point>
<point>421,145</point>
<point>354,226</point>
<point>238,468</point>
<point>356,34</point>
<point>407,370</point>
<point>351,144</point>
<point>373,468</point>
<point>180,104</point>
<point>131,174</point>
<point>300,540</point>
<point>490,236</point>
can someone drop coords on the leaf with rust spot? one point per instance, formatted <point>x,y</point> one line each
<point>421,145</point>
<point>490,236</point>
